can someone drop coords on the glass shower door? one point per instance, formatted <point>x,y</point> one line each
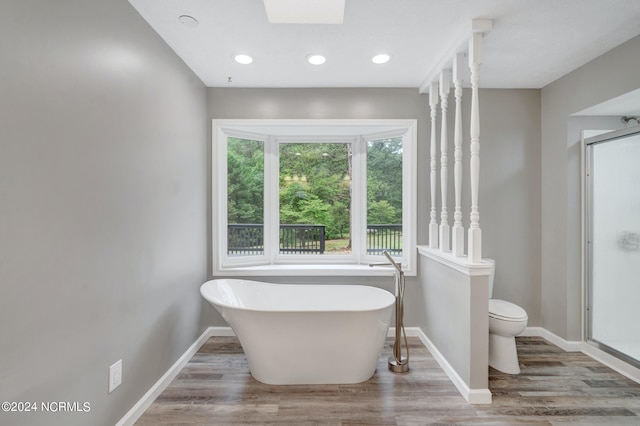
<point>613,235</point>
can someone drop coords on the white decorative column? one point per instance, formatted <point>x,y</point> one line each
<point>433,225</point>
<point>457,232</point>
<point>475,234</point>
<point>445,86</point>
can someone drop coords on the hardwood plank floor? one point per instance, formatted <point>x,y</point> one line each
<point>554,388</point>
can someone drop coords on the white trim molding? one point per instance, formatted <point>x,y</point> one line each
<point>472,396</point>
<point>565,345</point>
<point>147,399</point>
<point>271,133</point>
<point>627,370</point>
<point>460,264</point>
<point>599,355</point>
<point>456,45</point>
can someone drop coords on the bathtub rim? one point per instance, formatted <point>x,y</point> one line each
<point>216,303</point>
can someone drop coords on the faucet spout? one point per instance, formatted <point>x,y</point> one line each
<point>393,262</point>
<point>371,265</point>
<point>390,263</point>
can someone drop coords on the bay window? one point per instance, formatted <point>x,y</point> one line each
<point>307,197</point>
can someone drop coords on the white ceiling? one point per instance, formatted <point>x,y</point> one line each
<point>533,42</point>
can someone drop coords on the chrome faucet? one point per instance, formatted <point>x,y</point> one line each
<point>397,363</point>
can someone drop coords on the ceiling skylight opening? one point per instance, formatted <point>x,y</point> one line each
<point>382,58</point>
<point>243,59</point>
<point>188,21</point>
<point>316,59</point>
<point>305,12</point>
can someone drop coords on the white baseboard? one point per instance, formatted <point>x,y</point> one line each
<point>472,396</point>
<point>147,399</point>
<point>221,332</point>
<point>612,362</point>
<point>565,345</point>
<point>482,396</point>
<point>599,355</point>
<point>411,331</point>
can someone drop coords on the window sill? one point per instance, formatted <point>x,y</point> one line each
<point>304,270</point>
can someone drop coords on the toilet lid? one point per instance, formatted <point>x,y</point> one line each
<point>506,311</point>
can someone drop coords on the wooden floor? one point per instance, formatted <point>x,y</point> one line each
<point>554,388</point>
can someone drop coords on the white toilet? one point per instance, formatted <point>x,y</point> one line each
<point>506,320</point>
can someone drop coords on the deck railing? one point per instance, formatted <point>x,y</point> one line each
<point>248,239</point>
<point>245,239</point>
<point>384,237</point>
<point>302,239</point>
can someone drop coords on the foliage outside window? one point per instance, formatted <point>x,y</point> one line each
<point>245,196</point>
<point>315,189</point>
<point>320,198</point>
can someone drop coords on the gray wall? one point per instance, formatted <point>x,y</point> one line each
<point>608,76</point>
<point>510,172</point>
<point>103,170</point>
<point>510,194</point>
<point>457,319</point>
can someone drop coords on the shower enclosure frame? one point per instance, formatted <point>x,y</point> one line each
<point>589,143</point>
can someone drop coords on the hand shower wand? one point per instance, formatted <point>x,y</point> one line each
<point>398,363</point>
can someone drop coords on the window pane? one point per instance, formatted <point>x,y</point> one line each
<point>384,196</point>
<point>315,198</point>
<point>245,197</point>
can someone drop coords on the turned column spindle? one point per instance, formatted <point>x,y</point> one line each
<point>457,232</point>
<point>433,224</point>
<point>474,233</point>
<point>444,234</point>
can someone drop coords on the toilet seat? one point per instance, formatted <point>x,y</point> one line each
<point>506,311</point>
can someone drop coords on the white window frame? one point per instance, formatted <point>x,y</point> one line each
<point>274,132</point>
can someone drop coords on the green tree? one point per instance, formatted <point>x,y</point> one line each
<point>315,183</point>
<point>291,203</point>
<point>313,189</point>
<point>245,181</point>
<point>381,212</point>
<point>384,181</point>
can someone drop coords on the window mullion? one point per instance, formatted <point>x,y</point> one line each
<point>409,197</point>
<point>220,183</point>
<point>271,201</point>
<point>359,199</point>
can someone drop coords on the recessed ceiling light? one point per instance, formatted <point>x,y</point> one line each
<point>188,21</point>
<point>243,59</point>
<point>382,58</point>
<point>316,59</point>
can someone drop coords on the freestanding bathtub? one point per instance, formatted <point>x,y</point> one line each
<point>305,334</point>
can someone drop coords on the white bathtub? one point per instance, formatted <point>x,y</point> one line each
<point>305,334</point>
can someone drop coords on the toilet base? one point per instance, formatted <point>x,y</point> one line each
<point>502,354</point>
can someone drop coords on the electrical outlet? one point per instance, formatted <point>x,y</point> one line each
<point>115,375</point>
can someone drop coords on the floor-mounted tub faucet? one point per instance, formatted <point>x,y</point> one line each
<point>397,363</point>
